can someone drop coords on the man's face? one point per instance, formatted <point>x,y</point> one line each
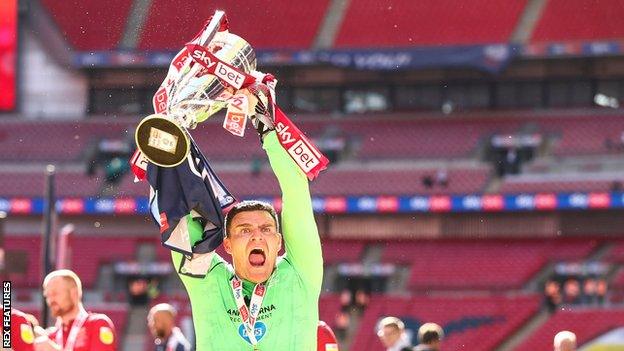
<point>159,324</point>
<point>567,345</point>
<point>253,242</point>
<point>61,296</point>
<point>389,335</point>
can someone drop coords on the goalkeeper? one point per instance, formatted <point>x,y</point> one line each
<point>261,301</point>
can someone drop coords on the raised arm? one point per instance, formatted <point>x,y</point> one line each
<point>301,238</point>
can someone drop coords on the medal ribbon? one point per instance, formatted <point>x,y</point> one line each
<point>248,315</point>
<point>73,332</point>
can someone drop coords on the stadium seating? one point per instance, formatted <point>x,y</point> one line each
<point>30,248</point>
<point>86,256</point>
<point>491,265</point>
<point>245,183</point>
<point>535,185</point>
<point>561,18</point>
<point>586,324</point>
<point>90,25</point>
<point>470,323</point>
<point>370,137</point>
<point>415,23</point>
<point>281,24</point>
<point>337,251</point>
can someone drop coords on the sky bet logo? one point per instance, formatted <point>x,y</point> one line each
<point>218,68</point>
<point>299,150</point>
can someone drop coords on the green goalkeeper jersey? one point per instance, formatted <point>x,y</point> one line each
<point>288,315</point>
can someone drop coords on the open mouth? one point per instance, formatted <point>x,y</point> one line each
<point>257,257</point>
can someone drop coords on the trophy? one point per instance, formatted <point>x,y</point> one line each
<point>193,92</point>
<point>216,70</point>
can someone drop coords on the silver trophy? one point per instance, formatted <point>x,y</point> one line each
<point>202,79</point>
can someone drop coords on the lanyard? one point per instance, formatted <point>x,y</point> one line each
<point>248,315</point>
<point>73,332</point>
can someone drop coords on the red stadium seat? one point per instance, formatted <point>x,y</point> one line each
<point>279,24</point>
<point>90,25</point>
<point>560,21</point>
<point>408,23</point>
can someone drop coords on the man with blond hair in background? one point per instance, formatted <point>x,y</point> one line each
<point>161,323</point>
<point>565,341</point>
<point>429,337</point>
<point>391,333</point>
<point>75,328</point>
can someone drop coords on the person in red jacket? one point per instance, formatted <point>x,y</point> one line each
<point>326,340</point>
<point>75,328</point>
<point>22,335</point>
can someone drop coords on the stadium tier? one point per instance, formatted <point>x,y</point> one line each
<point>90,25</point>
<point>616,253</point>
<point>587,324</point>
<point>522,185</point>
<point>86,256</point>
<point>470,323</point>
<point>166,28</point>
<point>408,23</point>
<point>335,251</point>
<point>372,137</point>
<point>463,265</point>
<point>569,20</point>
<point>245,183</point>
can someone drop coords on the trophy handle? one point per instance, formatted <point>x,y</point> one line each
<point>162,141</point>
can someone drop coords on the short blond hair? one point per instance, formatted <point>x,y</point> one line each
<point>564,335</point>
<point>66,274</point>
<point>392,322</point>
<point>162,307</point>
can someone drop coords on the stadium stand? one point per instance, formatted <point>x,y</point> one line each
<point>336,251</point>
<point>520,185</point>
<point>377,136</point>
<point>462,265</point>
<point>90,25</point>
<point>470,323</point>
<point>85,252</point>
<point>169,25</point>
<point>406,23</point>
<point>586,324</point>
<point>560,19</point>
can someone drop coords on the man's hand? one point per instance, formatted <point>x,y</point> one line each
<point>43,342</point>
<point>261,106</point>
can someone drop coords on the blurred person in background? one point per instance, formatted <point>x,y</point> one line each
<point>601,291</point>
<point>552,295</point>
<point>429,337</point>
<point>565,341</point>
<point>572,292</point>
<point>391,333</point>
<point>161,323</point>
<point>326,340</point>
<point>75,328</point>
<point>589,291</point>
<point>22,335</point>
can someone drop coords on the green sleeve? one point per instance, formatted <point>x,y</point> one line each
<point>301,238</point>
